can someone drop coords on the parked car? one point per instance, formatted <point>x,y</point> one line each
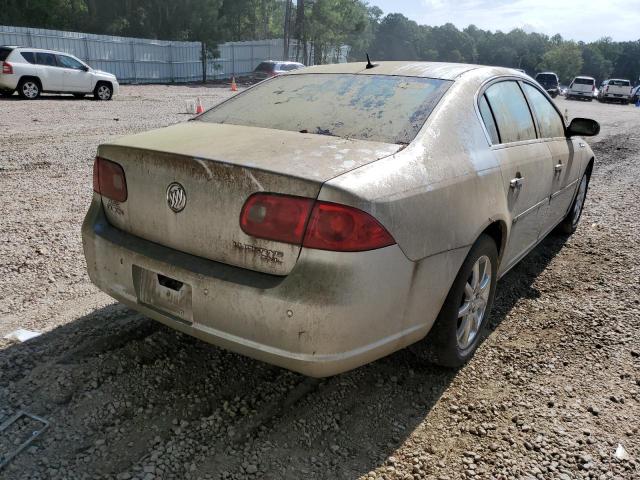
<point>271,68</point>
<point>616,90</point>
<point>32,71</point>
<point>563,90</point>
<point>328,217</point>
<point>550,82</point>
<point>635,94</point>
<point>583,88</point>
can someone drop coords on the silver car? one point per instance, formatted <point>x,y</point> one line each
<point>327,217</point>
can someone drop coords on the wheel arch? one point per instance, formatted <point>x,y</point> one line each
<point>24,78</point>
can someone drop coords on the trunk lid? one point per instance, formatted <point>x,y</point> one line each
<point>219,167</point>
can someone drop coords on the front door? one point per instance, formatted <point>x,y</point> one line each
<point>563,161</point>
<point>76,77</point>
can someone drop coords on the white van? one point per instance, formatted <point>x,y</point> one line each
<point>32,71</point>
<point>582,87</point>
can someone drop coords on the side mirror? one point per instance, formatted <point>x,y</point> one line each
<point>85,68</point>
<point>584,127</point>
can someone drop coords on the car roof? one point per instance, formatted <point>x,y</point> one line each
<point>43,50</point>
<point>617,79</point>
<point>584,76</point>
<point>547,73</point>
<point>439,70</point>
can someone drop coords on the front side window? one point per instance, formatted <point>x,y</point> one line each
<point>549,119</point>
<point>47,59</point>
<point>265,67</point>
<point>511,112</point>
<point>380,108</point>
<point>68,62</point>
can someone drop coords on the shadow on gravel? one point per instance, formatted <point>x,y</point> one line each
<point>123,391</point>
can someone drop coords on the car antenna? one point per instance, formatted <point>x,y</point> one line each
<point>369,64</point>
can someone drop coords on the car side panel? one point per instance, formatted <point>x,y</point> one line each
<point>439,192</point>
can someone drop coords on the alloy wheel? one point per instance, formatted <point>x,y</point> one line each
<point>30,89</point>
<point>474,302</point>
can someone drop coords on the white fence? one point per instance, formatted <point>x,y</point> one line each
<point>139,60</point>
<point>240,58</point>
<point>132,60</point>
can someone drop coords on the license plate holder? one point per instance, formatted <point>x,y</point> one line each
<point>167,295</point>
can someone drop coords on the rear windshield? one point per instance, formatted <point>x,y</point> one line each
<point>583,81</point>
<point>4,53</point>
<point>620,83</point>
<point>380,108</point>
<point>265,67</point>
<point>546,78</point>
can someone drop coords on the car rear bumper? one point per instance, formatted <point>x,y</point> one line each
<point>332,313</point>
<point>578,93</point>
<point>8,82</point>
<point>616,96</point>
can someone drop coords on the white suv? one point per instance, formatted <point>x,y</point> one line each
<point>32,71</point>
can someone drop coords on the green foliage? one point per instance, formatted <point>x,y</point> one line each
<point>327,24</point>
<point>565,60</point>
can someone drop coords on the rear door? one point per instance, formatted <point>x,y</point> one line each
<point>75,77</point>
<point>49,73</point>
<point>525,162</point>
<point>564,162</point>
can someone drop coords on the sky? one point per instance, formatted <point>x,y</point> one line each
<point>585,20</point>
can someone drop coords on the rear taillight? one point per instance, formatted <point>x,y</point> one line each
<point>319,225</point>
<point>593,88</point>
<point>109,180</point>
<point>7,68</point>
<point>282,218</point>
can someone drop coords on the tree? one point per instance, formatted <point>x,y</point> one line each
<point>565,60</point>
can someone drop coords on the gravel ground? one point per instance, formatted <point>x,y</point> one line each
<point>551,393</point>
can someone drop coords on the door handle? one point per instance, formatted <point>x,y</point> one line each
<point>516,182</point>
<point>558,168</point>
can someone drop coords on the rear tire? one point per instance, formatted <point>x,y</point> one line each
<point>457,331</point>
<point>103,91</point>
<point>6,93</point>
<point>570,223</point>
<point>29,89</point>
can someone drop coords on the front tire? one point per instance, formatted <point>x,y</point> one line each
<point>570,223</point>
<point>457,331</point>
<point>29,89</point>
<point>103,91</point>
<point>6,93</point>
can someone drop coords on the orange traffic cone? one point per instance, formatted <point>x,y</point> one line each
<point>234,87</point>
<point>199,107</point>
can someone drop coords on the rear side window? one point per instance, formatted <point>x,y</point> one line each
<point>47,59</point>
<point>489,121</point>
<point>4,53</point>
<point>511,112</point>
<point>549,119</point>
<point>29,57</point>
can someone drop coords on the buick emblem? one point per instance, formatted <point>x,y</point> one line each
<point>176,197</point>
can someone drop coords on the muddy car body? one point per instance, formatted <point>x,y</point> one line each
<point>186,240</point>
